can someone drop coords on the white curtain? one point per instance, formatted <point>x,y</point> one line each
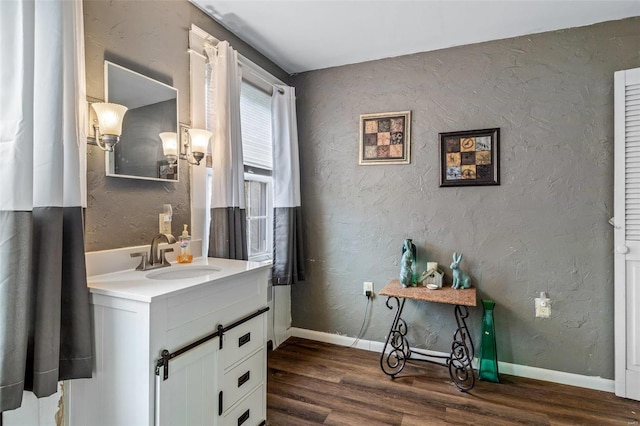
<point>288,255</point>
<point>227,231</point>
<point>45,333</point>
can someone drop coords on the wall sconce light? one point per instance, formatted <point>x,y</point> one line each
<point>195,145</point>
<point>193,149</point>
<point>109,126</point>
<point>170,146</point>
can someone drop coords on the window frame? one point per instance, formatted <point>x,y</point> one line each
<point>261,175</point>
<point>268,180</point>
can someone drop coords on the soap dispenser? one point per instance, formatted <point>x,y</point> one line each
<point>185,255</point>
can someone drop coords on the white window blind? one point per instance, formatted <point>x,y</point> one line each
<point>255,119</point>
<point>632,172</point>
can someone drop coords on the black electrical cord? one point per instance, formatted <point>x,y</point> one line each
<point>364,321</point>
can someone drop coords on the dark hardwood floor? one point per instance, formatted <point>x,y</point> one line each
<point>312,383</point>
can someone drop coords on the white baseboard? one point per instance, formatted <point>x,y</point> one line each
<point>589,382</point>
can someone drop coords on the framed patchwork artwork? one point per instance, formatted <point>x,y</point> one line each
<point>470,158</point>
<point>385,138</point>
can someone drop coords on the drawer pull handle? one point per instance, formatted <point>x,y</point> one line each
<point>244,339</point>
<point>243,379</point>
<point>243,418</point>
<point>220,410</point>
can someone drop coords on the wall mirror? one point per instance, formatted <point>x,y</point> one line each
<point>153,109</point>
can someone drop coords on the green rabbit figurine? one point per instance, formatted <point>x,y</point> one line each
<point>406,270</point>
<point>460,279</point>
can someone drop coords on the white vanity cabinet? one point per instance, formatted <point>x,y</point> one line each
<point>221,381</point>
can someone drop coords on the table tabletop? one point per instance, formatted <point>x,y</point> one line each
<point>446,294</point>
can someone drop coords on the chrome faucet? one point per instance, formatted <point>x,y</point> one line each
<point>157,258</point>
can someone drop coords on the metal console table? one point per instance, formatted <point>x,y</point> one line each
<point>396,351</point>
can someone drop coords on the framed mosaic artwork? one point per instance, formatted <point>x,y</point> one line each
<point>470,158</point>
<point>385,138</point>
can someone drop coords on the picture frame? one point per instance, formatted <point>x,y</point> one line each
<point>385,138</point>
<point>470,158</point>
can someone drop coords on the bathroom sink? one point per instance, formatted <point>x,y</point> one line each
<point>182,272</point>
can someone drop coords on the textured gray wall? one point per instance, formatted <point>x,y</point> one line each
<point>544,229</point>
<point>149,37</point>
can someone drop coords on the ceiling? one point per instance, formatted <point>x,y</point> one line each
<point>303,35</point>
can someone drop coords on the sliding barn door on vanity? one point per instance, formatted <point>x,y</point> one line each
<point>627,233</point>
<point>188,395</point>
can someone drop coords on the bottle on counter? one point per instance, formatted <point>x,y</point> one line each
<point>185,255</point>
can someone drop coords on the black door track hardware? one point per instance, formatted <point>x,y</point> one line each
<point>167,356</point>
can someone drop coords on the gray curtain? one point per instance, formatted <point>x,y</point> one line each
<point>288,252</point>
<point>45,327</point>
<point>288,255</point>
<point>228,226</point>
<point>228,233</point>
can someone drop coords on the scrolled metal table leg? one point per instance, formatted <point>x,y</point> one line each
<point>393,362</point>
<point>462,353</point>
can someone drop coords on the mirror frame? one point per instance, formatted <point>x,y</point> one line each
<point>110,156</point>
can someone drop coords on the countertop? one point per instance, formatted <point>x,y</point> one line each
<point>134,285</point>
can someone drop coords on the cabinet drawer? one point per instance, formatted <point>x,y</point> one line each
<point>195,312</point>
<point>242,379</point>
<point>241,341</point>
<point>250,412</point>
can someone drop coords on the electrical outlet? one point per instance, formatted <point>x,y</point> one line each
<point>367,286</point>
<point>543,306</point>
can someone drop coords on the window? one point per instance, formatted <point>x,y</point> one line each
<point>255,120</point>
<point>258,203</point>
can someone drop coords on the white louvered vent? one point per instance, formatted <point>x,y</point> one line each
<point>632,162</point>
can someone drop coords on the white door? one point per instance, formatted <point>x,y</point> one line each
<point>627,233</point>
<point>188,396</point>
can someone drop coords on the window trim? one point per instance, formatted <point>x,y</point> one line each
<point>263,175</point>
<point>268,180</point>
